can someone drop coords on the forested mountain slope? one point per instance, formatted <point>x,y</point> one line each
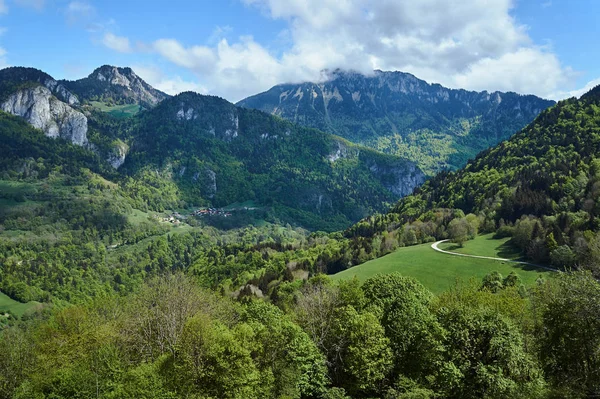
<point>540,186</point>
<point>132,306</point>
<point>397,113</point>
<point>219,154</point>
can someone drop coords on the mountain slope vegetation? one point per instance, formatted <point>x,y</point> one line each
<point>540,187</point>
<point>219,154</point>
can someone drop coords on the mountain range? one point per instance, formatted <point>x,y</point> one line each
<point>396,113</point>
<point>214,152</point>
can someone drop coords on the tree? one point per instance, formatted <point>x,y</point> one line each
<point>568,331</point>
<point>158,315</point>
<point>562,256</point>
<point>213,361</point>
<point>285,353</point>
<point>486,355</point>
<point>458,231</point>
<point>415,336</point>
<point>315,310</point>
<point>143,381</point>
<point>16,359</point>
<point>492,282</point>
<point>359,355</point>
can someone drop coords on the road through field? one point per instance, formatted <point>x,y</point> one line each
<point>436,248</point>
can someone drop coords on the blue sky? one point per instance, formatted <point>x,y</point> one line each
<point>235,48</point>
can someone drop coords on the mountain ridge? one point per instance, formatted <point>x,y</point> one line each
<point>398,113</point>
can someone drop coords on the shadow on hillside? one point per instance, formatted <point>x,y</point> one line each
<point>452,247</point>
<point>509,251</point>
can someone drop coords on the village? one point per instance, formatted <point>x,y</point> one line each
<point>176,218</point>
<point>211,212</point>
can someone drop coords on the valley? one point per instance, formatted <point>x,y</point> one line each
<point>184,247</point>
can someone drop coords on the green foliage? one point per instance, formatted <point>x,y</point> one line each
<point>174,340</point>
<point>363,358</point>
<point>414,334</point>
<point>487,356</point>
<point>568,330</point>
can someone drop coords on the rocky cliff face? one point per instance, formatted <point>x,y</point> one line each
<point>61,92</point>
<point>44,111</point>
<point>14,78</point>
<point>401,179</point>
<point>117,155</point>
<point>116,84</point>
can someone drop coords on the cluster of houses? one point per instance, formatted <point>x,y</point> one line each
<point>211,212</point>
<point>177,218</point>
<point>174,218</point>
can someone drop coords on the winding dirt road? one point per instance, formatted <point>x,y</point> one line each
<point>436,248</point>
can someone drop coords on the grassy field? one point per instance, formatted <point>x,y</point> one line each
<point>438,271</point>
<point>486,245</point>
<point>15,307</point>
<point>119,111</point>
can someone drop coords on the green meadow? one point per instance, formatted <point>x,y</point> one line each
<point>439,272</point>
<point>118,111</point>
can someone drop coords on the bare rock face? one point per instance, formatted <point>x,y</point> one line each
<point>44,111</point>
<point>61,92</point>
<point>117,156</point>
<point>400,179</point>
<point>212,183</point>
<point>340,151</point>
<point>118,82</point>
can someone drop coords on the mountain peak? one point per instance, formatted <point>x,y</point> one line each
<point>115,75</point>
<point>120,84</point>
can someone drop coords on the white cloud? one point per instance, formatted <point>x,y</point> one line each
<point>527,70</point>
<point>79,11</point>
<point>168,84</point>
<point>474,44</point>
<point>117,43</point>
<point>561,95</point>
<point>35,4</point>
<point>197,58</point>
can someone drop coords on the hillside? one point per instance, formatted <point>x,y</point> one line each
<point>216,154</point>
<point>219,154</point>
<point>539,187</point>
<point>142,306</point>
<point>397,113</point>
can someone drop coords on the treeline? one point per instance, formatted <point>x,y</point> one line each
<point>386,338</point>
